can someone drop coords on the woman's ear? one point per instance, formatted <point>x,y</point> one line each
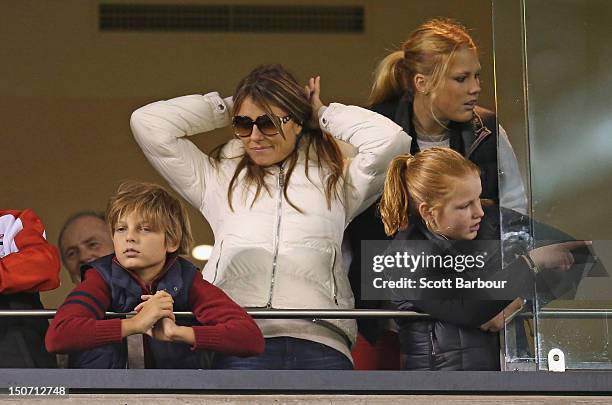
<point>298,128</point>
<point>421,83</point>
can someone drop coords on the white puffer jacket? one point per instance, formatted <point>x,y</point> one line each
<point>269,254</point>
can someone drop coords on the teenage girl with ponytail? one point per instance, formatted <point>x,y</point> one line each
<point>431,87</point>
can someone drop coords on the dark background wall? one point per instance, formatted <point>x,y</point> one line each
<point>68,89</point>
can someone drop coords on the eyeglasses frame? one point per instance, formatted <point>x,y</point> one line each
<point>283,120</point>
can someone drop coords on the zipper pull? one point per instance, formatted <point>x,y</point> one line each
<point>281,177</point>
<point>433,344</point>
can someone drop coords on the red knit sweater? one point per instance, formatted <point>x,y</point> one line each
<point>79,324</point>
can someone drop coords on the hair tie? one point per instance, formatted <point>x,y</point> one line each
<point>409,158</point>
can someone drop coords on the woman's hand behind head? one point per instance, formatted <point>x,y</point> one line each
<point>313,91</point>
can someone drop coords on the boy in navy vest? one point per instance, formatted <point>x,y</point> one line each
<point>150,228</point>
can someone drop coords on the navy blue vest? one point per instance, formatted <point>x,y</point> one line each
<point>125,295</point>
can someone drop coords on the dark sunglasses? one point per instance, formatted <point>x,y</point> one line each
<point>243,126</point>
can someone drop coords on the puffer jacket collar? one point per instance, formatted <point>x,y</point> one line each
<point>464,137</point>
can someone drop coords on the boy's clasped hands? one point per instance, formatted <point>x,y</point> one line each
<point>155,317</point>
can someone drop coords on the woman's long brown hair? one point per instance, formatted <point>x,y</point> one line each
<point>272,85</point>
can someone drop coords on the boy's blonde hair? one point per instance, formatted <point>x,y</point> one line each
<point>163,211</point>
<point>428,177</point>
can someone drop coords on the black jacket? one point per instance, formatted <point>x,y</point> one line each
<point>22,340</point>
<point>453,340</point>
<point>476,139</point>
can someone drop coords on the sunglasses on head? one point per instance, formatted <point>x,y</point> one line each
<point>243,126</point>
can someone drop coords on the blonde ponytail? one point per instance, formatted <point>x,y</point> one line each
<point>428,51</point>
<point>430,177</point>
<point>395,200</point>
<point>388,79</point>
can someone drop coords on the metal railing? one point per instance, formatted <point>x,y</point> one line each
<point>260,313</point>
<point>255,313</point>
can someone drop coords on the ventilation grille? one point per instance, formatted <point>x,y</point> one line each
<point>231,18</point>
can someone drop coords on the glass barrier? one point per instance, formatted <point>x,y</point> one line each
<point>565,76</point>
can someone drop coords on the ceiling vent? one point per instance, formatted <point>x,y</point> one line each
<point>231,18</point>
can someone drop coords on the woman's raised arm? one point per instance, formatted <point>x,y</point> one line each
<point>377,140</point>
<point>160,129</point>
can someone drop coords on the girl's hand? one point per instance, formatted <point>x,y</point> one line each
<point>557,257</point>
<point>496,323</point>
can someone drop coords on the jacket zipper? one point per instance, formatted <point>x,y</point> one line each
<point>477,143</point>
<point>433,344</point>
<point>481,133</point>
<point>279,201</point>
<point>217,264</point>
<point>333,274</point>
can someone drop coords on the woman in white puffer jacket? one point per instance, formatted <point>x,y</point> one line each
<point>278,199</point>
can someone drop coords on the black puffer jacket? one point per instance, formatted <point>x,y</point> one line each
<point>453,340</point>
<point>439,345</point>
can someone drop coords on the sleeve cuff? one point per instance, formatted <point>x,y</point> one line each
<point>107,331</point>
<point>321,111</point>
<point>206,337</point>
<point>229,103</point>
<point>323,119</point>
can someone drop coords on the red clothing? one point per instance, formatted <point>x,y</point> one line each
<point>79,324</point>
<point>384,355</point>
<point>28,263</point>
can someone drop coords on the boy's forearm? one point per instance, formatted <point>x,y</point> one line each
<point>129,327</point>
<point>184,334</point>
<point>80,333</point>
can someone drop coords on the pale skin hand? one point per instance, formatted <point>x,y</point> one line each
<point>313,91</point>
<point>557,257</point>
<point>154,308</point>
<point>496,323</point>
<point>166,329</point>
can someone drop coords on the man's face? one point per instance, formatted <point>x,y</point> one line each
<point>84,240</point>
